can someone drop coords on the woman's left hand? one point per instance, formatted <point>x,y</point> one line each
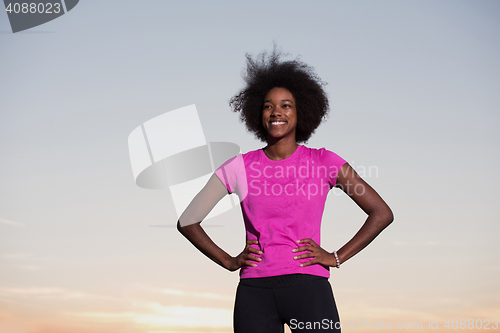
<point>319,255</point>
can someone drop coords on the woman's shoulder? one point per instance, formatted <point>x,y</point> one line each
<point>323,155</point>
<point>317,151</point>
<point>251,153</point>
<point>237,161</point>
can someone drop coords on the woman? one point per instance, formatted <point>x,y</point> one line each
<point>282,189</point>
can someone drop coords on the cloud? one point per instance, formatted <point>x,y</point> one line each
<point>4,314</point>
<point>9,222</point>
<point>155,315</point>
<point>178,292</point>
<point>28,267</point>
<point>151,315</point>
<point>141,311</point>
<point>185,316</point>
<point>15,255</point>
<point>42,292</point>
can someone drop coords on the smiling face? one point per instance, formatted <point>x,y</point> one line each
<point>279,114</point>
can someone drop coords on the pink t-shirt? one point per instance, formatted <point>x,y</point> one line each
<point>282,202</point>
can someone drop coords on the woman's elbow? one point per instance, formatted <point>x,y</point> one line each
<point>383,215</point>
<point>388,216</point>
<point>180,228</point>
<point>187,228</point>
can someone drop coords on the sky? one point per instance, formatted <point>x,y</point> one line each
<point>413,89</point>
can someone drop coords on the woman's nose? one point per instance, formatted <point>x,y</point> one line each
<point>276,112</point>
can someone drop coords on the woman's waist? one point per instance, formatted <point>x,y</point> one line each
<point>281,246</point>
<point>275,257</point>
<point>279,259</point>
<point>279,281</point>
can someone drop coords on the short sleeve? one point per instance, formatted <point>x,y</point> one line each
<point>333,163</point>
<point>228,172</point>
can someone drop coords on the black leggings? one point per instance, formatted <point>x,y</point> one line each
<point>304,302</point>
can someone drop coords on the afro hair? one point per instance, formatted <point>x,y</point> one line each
<point>268,71</point>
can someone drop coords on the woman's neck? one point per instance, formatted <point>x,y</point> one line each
<point>280,149</point>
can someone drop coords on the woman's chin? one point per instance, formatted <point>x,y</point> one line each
<point>274,137</point>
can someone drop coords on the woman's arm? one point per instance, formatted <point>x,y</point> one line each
<point>379,213</point>
<point>379,217</point>
<point>189,225</point>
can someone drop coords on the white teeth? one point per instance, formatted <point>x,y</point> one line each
<point>277,122</point>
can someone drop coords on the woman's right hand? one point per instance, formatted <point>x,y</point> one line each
<point>245,258</point>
